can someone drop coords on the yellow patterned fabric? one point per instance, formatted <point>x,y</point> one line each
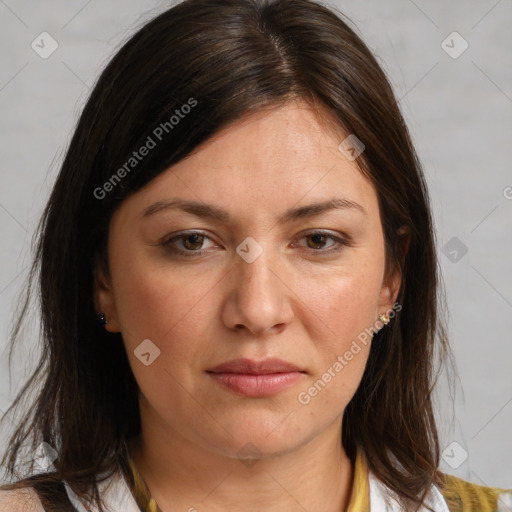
<point>360,497</point>
<point>460,496</point>
<point>140,491</point>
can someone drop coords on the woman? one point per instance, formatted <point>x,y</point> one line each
<point>239,282</point>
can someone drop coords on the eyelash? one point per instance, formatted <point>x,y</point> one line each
<point>168,243</point>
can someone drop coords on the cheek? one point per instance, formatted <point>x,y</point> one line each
<point>343,304</point>
<point>167,308</point>
<point>341,315</point>
<point>161,304</point>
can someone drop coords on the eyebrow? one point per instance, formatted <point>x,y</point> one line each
<point>216,213</point>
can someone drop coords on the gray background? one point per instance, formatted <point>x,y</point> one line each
<point>459,111</point>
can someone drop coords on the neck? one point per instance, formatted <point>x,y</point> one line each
<point>182,475</point>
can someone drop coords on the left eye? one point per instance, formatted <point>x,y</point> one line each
<point>319,239</point>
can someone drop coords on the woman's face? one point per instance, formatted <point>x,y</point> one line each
<point>265,243</point>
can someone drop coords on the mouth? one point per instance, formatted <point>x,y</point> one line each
<point>256,379</point>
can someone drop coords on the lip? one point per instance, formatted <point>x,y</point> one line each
<point>256,378</point>
<point>251,367</point>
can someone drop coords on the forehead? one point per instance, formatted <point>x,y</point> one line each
<point>275,140</point>
<point>267,161</point>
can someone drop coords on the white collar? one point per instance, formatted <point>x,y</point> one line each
<point>115,494</point>
<point>118,497</point>
<point>380,500</point>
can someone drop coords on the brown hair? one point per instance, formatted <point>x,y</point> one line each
<point>231,57</point>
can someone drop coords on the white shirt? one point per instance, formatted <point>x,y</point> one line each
<point>120,499</point>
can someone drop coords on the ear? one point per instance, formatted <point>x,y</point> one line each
<point>104,299</point>
<point>393,278</point>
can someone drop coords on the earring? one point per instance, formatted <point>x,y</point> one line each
<point>103,319</point>
<point>384,319</point>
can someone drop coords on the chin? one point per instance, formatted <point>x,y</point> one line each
<point>256,436</point>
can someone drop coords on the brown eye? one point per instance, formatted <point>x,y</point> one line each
<point>192,242</point>
<point>187,244</point>
<point>317,240</point>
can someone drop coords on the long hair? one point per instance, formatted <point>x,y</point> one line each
<point>225,58</point>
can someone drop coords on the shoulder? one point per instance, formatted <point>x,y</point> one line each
<point>463,496</point>
<point>20,500</point>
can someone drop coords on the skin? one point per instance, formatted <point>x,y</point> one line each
<point>296,301</point>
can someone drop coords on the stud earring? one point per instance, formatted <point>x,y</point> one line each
<point>384,319</point>
<point>103,319</point>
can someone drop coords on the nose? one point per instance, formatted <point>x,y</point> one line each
<point>259,297</point>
